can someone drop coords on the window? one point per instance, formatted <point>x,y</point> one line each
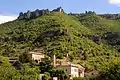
<point>75,70</point>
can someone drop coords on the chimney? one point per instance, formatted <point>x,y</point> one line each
<point>67,56</point>
<point>54,61</point>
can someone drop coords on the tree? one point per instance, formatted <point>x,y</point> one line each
<point>45,66</point>
<point>29,73</point>
<point>112,71</point>
<point>60,73</point>
<point>7,71</point>
<point>46,76</point>
<point>24,58</point>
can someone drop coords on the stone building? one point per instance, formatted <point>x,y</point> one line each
<point>73,70</point>
<point>37,56</point>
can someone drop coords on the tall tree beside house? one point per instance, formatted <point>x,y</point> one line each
<point>45,66</point>
<point>59,72</point>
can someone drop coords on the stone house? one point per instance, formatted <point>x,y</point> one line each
<point>37,56</point>
<point>73,70</point>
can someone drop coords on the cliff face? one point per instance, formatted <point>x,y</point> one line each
<point>111,16</point>
<point>37,13</point>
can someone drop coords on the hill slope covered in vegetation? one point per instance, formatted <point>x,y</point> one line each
<point>84,38</point>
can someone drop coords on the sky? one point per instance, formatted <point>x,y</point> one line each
<point>9,9</point>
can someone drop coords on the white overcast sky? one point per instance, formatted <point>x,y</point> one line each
<point>116,2</point>
<point>4,19</point>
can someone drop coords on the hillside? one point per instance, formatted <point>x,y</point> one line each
<point>98,23</point>
<point>59,33</point>
<point>106,29</point>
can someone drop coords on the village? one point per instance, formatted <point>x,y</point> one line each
<point>73,70</point>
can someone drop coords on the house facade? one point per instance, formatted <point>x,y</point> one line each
<point>36,56</point>
<point>73,70</point>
